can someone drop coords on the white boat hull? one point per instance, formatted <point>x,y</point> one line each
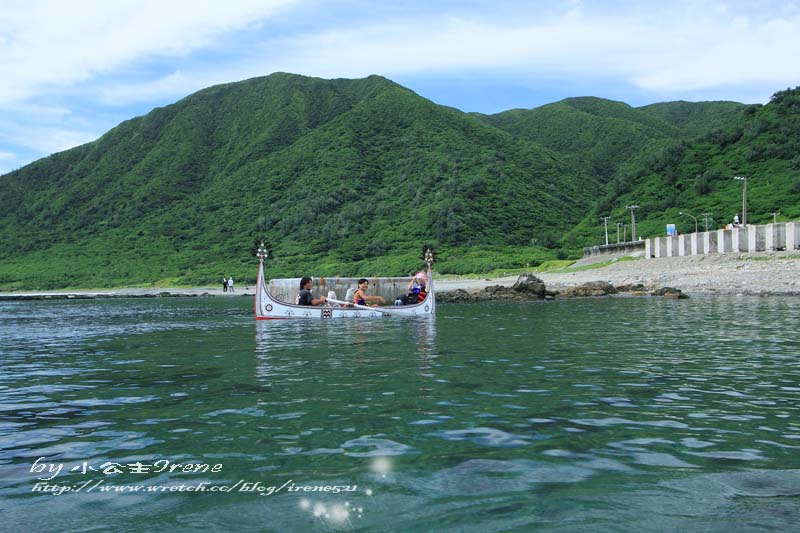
<point>267,307</point>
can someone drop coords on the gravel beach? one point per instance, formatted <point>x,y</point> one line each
<point>760,273</point>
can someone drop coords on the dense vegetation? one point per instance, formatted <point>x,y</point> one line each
<point>350,177</point>
<point>695,174</point>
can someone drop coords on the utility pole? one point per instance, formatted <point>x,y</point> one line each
<point>605,224</point>
<point>744,198</point>
<point>706,216</point>
<point>619,225</point>
<point>633,221</point>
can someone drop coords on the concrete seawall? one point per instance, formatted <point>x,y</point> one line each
<point>630,247</point>
<point>752,238</point>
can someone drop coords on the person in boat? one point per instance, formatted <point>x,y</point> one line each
<point>416,291</point>
<point>362,298</point>
<point>306,297</point>
<point>416,288</point>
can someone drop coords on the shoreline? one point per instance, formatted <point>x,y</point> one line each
<point>744,273</point>
<point>757,274</point>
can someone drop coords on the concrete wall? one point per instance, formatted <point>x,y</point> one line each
<point>684,245</point>
<point>753,238</point>
<point>661,246</point>
<point>607,249</point>
<point>792,235</point>
<point>709,242</point>
<point>739,239</point>
<point>697,244</point>
<point>672,246</point>
<point>756,238</point>
<point>775,238</point>
<point>724,241</point>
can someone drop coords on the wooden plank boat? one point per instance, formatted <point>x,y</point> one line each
<point>268,307</point>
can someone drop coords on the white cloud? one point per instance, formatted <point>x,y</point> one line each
<point>47,139</point>
<point>66,64</point>
<point>50,43</point>
<point>52,53</point>
<point>683,46</point>
<point>174,84</point>
<point>742,52</point>
<point>52,140</point>
<point>38,110</point>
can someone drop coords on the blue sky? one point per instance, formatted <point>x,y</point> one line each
<point>72,70</point>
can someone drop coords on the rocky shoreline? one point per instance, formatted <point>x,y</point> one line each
<point>744,274</point>
<point>760,273</point>
<point>740,274</point>
<point>529,287</point>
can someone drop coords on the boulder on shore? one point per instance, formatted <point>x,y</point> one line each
<point>669,292</point>
<point>529,284</point>
<point>529,287</point>
<point>637,288</point>
<point>593,288</point>
<point>454,297</point>
<point>604,288</point>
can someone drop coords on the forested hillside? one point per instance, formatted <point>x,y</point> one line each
<point>694,175</point>
<point>600,135</point>
<point>341,177</point>
<point>351,177</point>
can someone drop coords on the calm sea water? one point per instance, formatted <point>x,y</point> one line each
<point>609,414</point>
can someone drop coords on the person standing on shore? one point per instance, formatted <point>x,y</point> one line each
<point>224,284</point>
<point>230,284</point>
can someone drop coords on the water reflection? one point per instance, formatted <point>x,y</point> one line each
<point>357,360</point>
<point>425,338</point>
<point>345,335</point>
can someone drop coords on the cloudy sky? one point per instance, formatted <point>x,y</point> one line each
<point>72,70</point>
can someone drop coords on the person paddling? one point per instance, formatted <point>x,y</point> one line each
<point>362,298</point>
<point>306,297</point>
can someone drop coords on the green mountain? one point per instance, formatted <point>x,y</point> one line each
<point>342,177</point>
<point>600,135</point>
<point>694,175</point>
<point>350,177</point>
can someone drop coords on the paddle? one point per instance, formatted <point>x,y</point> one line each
<point>366,307</point>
